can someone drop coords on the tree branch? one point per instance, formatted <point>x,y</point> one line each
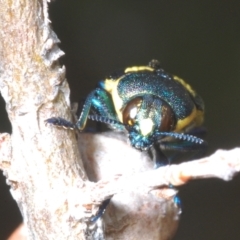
<point>223,164</point>
<point>43,162</point>
<point>48,178</point>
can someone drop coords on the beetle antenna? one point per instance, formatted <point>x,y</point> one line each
<point>106,120</point>
<point>182,136</point>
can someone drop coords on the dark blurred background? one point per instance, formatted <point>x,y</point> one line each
<point>196,40</point>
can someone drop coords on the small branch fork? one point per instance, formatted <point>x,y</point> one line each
<point>48,178</point>
<point>81,198</point>
<point>223,164</point>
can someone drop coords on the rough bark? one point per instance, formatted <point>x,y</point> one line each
<point>48,179</point>
<point>43,163</point>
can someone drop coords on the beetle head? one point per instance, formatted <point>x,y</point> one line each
<point>147,119</point>
<point>144,117</point>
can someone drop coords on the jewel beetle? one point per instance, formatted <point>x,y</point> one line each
<point>158,110</point>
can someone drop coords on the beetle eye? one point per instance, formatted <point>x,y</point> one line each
<point>168,120</point>
<point>131,110</point>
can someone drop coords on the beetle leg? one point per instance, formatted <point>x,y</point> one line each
<point>192,150</point>
<point>57,121</point>
<point>85,111</point>
<point>100,101</point>
<point>158,157</point>
<point>101,210</point>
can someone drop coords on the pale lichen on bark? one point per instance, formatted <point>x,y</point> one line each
<point>43,165</point>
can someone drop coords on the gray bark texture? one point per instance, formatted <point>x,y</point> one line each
<point>59,177</point>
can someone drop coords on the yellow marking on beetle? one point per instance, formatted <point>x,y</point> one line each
<point>146,126</point>
<point>181,124</point>
<point>111,87</point>
<point>137,69</point>
<point>187,86</point>
<point>199,118</point>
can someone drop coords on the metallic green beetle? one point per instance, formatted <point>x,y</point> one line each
<point>154,107</point>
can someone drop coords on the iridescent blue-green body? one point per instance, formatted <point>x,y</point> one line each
<point>150,105</point>
<point>156,109</point>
